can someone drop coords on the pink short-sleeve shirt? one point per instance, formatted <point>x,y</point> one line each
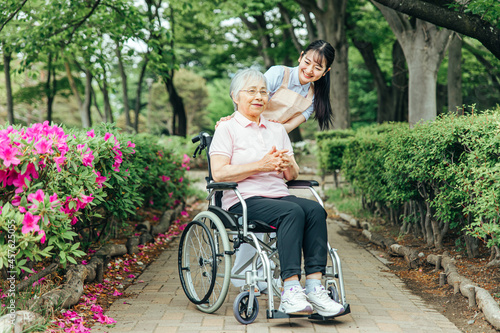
<point>243,141</point>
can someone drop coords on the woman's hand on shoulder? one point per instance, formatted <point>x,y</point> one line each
<point>223,119</point>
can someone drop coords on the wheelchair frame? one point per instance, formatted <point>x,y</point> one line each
<point>204,250</point>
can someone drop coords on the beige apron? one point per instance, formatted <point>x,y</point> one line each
<point>287,104</point>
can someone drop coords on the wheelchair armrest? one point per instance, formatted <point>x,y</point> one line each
<point>222,186</point>
<point>301,183</point>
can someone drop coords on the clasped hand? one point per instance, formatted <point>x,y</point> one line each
<point>276,160</point>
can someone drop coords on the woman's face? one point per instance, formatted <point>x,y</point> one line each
<point>252,99</point>
<point>310,70</point>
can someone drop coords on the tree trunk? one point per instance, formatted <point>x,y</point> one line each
<point>8,85</point>
<point>384,96</point>
<point>330,23</point>
<point>87,103</point>
<point>73,87</point>
<point>50,88</point>
<point>399,84</point>
<point>123,75</point>
<point>455,74</point>
<point>471,244</point>
<point>424,46</point>
<point>179,121</point>
<point>429,236</point>
<point>138,96</point>
<point>295,135</point>
<point>424,58</point>
<point>108,114</point>
<point>334,25</point>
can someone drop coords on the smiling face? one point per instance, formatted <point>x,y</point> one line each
<point>311,67</point>
<point>252,106</point>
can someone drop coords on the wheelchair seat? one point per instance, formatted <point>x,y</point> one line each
<point>233,221</point>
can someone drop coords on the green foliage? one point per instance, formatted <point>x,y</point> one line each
<point>221,104</point>
<point>451,163</point>
<point>72,184</point>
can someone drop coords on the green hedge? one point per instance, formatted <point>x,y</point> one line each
<point>439,176</point>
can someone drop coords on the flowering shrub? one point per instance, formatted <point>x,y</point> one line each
<point>56,185</point>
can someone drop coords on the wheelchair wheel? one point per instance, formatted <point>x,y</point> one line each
<point>240,307</point>
<point>197,262</point>
<point>333,293</point>
<point>205,262</point>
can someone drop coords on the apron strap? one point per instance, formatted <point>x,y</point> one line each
<point>310,92</point>
<point>286,76</point>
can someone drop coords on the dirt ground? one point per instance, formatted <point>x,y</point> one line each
<point>424,281</point>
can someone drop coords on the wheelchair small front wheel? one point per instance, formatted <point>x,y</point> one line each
<point>240,308</point>
<point>334,294</point>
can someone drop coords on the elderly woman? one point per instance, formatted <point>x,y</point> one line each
<point>257,154</point>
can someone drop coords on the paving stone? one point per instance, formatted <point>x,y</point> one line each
<point>379,302</point>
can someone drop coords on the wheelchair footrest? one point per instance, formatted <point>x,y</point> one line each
<point>316,316</point>
<point>275,314</point>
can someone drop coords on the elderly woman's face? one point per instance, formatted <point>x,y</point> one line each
<point>252,99</point>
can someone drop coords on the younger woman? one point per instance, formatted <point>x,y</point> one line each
<point>294,94</point>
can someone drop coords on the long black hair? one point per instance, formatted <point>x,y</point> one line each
<point>322,107</point>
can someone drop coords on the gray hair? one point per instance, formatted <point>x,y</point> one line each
<point>241,79</point>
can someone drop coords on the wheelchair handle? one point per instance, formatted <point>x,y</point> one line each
<point>198,137</point>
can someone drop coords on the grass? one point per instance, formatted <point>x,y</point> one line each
<point>347,201</point>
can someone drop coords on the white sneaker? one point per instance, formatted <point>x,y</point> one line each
<point>323,304</point>
<point>294,301</point>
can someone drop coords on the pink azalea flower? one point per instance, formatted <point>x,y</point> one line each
<point>86,198</point>
<point>117,293</point>
<point>131,276</point>
<point>182,227</point>
<point>87,159</point>
<point>99,179</point>
<point>53,198</point>
<point>170,194</point>
<point>22,209</point>
<point>181,179</point>
<point>80,147</point>
<point>38,196</point>
<point>8,154</point>
<point>104,319</point>
<point>84,262</point>
<point>91,134</point>
<point>43,146</point>
<point>165,178</point>
<point>96,308</point>
<point>16,201</point>
<point>30,223</point>
<point>130,144</point>
<point>43,239</point>
<point>107,136</point>
<point>59,160</point>
<point>184,213</point>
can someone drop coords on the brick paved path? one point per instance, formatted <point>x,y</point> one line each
<point>379,302</point>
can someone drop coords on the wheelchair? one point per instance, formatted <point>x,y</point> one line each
<point>208,242</point>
